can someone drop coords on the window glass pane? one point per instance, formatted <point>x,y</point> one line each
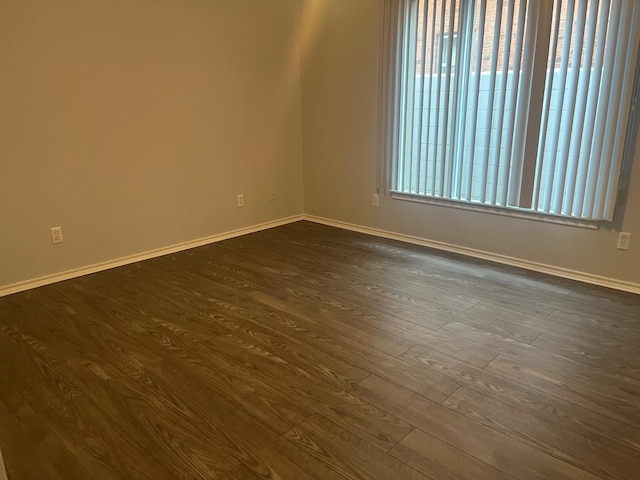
<point>584,94</point>
<point>464,98</point>
<point>469,112</point>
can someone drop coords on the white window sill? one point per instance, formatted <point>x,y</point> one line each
<point>506,211</point>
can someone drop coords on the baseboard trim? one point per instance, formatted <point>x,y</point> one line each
<point>98,267</point>
<point>494,257</point>
<point>470,252</point>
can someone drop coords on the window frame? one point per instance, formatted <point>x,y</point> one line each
<point>390,87</point>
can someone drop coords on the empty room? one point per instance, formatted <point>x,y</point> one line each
<point>319,239</point>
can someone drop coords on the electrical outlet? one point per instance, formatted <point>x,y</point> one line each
<point>240,200</point>
<point>56,235</point>
<point>624,241</point>
<point>375,200</point>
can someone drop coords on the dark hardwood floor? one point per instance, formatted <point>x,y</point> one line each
<point>308,352</point>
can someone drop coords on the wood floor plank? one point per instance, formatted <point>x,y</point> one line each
<point>559,323</point>
<point>527,302</point>
<point>429,384</point>
<point>561,411</point>
<point>127,361</point>
<point>100,448</point>
<point>260,449</point>
<point>342,297</point>
<point>447,270</point>
<point>49,368</point>
<point>498,326</point>
<point>599,398</point>
<point>535,356</point>
<point>485,338</point>
<point>603,296</point>
<point>467,435</point>
<point>232,431</point>
<point>366,267</point>
<point>441,461</point>
<point>391,338</point>
<point>366,284</point>
<point>618,309</point>
<point>584,324</point>
<point>355,353</point>
<point>306,351</point>
<point>362,418</point>
<point>241,354</point>
<point>346,454</point>
<point>500,321</point>
<point>141,385</point>
<point>3,472</point>
<point>455,347</point>
<point>240,473</point>
<point>31,450</point>
<point>582,451</point>
<point>102,451</point>
<point>138,344</point>
<point>40,403</point>
<point>215,375</point>
<point>384,325</point>
<point>329,319</point>
<point>618,357</point>
<point>183,446</point>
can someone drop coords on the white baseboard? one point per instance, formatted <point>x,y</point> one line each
<point>98,267</point>
<point>494,257</point>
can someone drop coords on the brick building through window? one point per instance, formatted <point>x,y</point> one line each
<point>440,26</point>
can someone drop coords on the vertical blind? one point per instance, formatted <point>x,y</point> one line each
<point>512,103</point>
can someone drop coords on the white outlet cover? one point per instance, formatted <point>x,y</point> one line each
<point>56,235</point>
<point>624,241</point>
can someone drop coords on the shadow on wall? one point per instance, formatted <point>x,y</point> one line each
<point>630,151</point>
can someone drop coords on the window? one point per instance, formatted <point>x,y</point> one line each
<point>510,103</point>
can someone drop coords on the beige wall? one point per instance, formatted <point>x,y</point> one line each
<point>340,70</point>
<point>134,124</point>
